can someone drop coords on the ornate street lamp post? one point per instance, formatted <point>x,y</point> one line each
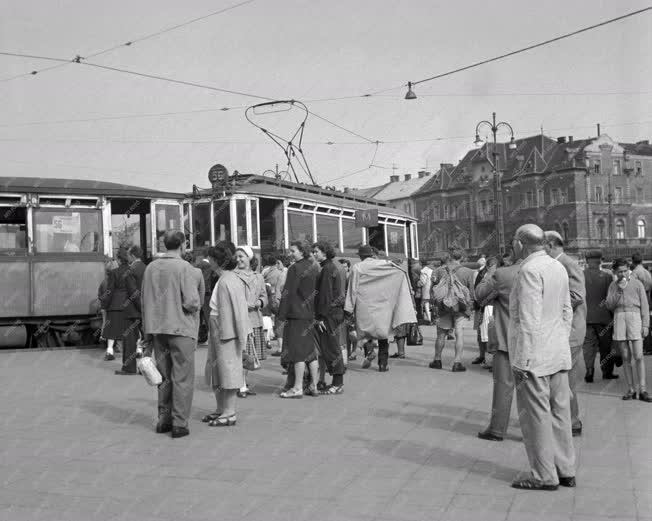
<point>498,195</point>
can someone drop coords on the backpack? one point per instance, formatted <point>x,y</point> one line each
<point>450,295</point>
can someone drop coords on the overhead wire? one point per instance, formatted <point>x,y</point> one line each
<point>130,42</point>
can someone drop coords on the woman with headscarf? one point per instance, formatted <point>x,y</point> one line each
<point>229,331</point>
<point>256,295</point>
<point>297,310</point>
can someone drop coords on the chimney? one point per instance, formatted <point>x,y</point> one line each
<point>393,178</point>
<point>561,140</point>
<point>423,173</point>
<point>598,129</point>
<point>408,177</point>
<point>570,139</point>
<point>346,190</point>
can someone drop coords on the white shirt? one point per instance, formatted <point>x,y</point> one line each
<point>213,302</point>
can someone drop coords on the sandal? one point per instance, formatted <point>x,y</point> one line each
<point>291,393</point>
<point>227,421</point>
<point>210,417</point>
<point>311,391</point>
<point>397,355</point>
<point>531,484</point>
<point>334,389</point>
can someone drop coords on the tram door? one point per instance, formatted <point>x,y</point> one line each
<point>130,224</point>
<point>165,215</point>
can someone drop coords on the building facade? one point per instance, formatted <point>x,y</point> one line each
<point>597,193</point>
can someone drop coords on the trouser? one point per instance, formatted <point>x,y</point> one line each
<point>129,342</point>
<point>175,359</point>
<point>598,339</point>
<point>417,303</point>
<point>544,412</point>
<point>503,393</point>
<point>576,353</point>
<point>383,352</point>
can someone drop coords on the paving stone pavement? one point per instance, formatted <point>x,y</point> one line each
<point>77,443</point>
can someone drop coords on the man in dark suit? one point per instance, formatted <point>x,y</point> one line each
<point>599,331</point>
<point>577,287</point>
<point>494,290</point>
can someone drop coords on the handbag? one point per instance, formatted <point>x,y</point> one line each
<point>250,362</point>
<point>414,338</point>
<point>148,369</point>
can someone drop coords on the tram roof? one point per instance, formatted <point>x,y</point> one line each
<point>80,187</point>
<point>266,186</point>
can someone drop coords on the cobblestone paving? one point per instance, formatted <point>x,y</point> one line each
<point>77,443</point>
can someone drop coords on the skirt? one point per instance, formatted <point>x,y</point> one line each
<point>257,343</point>
<point>300,342</point>
<point>115,325</point>
<point>401,331</point>
<point>223,360</point>
<point>627,326</point>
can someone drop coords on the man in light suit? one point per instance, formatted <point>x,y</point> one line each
<point>494,290</point>
<point>540,318</point>
<point>555,248</point>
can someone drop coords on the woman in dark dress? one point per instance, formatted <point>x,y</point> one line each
<point>116,302</point>
<point>329,316</point>
<point>297,310</point>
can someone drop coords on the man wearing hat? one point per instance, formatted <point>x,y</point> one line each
<point>380,299</point>
<point>555,248</point>
<point>599,331</point>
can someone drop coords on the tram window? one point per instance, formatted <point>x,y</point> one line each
<point>125,230</point>
<point>351,236</point>
<point>201,224</point>
<point>395,239</point>
<point>254,223</point>
<point>376,237</point>
<point>241,221</point>
<point>300,226</point>
<point>167,218</point>
<point>222,220</point>
<point>62,230</point>
<point>13,229</point>
<point>328,229</point>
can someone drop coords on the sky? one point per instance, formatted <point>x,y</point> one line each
<point>307,50</point>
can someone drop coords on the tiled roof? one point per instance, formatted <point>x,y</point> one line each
<point>401,189</point>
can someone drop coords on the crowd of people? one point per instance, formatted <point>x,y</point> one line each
<point>535,310</point>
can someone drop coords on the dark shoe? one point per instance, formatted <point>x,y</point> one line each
<point>567,482</point>
<point>644,397</point>
<point>311,391</point>
<point>629,395</point>
<point>435,364</point>
<point>531,484</point>
<point>577,431</point>
<point>610,376</point>
<point>180,432</point>
<point>223,422</point>
<point>210,417</point>
<point>366,363</point>
<point>124,372</point>
<point>322,386</point>
<point>108,357</point>
<point>588,377</point>
<point>458,367</point>
<point>397,355</point>
<point>163,427</point>
<point>383,368</point>
<point>486,435</point>
<point>242,394</point>
<point>249,392</point>
<point>478,360</point>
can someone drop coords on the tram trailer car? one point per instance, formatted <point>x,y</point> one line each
<point>55,237</point>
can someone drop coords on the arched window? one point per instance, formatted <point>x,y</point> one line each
<point>601,227</point>
<point>564,231</point>
<point>640,228</point>
<point>620,229</point>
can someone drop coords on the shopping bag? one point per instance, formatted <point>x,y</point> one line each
<point>415,338</point>
<point>147,368</point>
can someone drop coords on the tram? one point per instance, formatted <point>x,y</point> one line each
<point>56,234</point>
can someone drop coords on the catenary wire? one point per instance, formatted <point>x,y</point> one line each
<point>127,44</point>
